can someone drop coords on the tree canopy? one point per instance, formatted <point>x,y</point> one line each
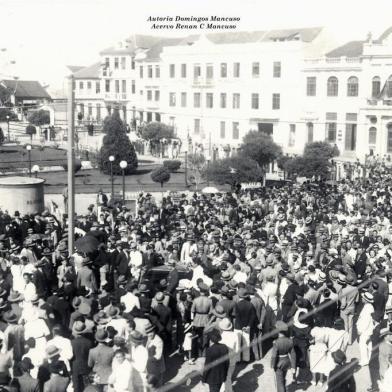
<point>157,131</point>
<point>315,161</point>
<point>116,143</point>
<point>161,175</point>
<point>260,147</point>
<point>4,112</point>
<point>233,170</point>
<point>39,117</point>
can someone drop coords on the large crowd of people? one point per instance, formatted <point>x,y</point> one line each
<point>299,273</point>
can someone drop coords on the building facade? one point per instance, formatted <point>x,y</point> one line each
<point>214,88</point>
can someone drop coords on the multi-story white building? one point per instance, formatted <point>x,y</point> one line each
<point>348,97</point>
<point>217,87</point>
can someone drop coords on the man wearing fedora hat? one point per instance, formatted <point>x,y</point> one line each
<point>341,378</point>
<point>156,361</point>
<point>86,278</point>
<point>81,346</point>
<point>100,357</point>
<point>26,382</point>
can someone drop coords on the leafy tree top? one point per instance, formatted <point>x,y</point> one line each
<point>4,112</point>
<point>116,142</point>
<point>196,161</point>
<point>39,117</point>
<point>233,170</point>
<point>260,147</point>
<point>31,130</point>
<point>161,175</point>
<point>157,131</point>
<point>321,150</point>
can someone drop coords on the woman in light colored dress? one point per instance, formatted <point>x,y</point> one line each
<point>320,360</point>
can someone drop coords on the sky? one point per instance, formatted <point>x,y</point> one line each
<point>42,37</point>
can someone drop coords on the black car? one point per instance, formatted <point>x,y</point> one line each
<point>156,274</point>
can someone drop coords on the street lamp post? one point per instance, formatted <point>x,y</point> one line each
<point>186,166</point>
<point>8,127</point>
<point>208,170</point>
<point>111,160</point>
<point>28,148</point>
<point>35,169</point>
<point>123,166</point>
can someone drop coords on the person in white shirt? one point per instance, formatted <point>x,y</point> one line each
<point>130,300</point>
<point>188,249</point>
<point>122,373</point>
<point>365,327</point>
<point>63,344</point>
<point>135,259</point>
<point>139,359</point>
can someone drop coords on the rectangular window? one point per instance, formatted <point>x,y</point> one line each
<point>149,71</point>
<point>81,85</point>
<point>210,71</point>
<point>222,129</point>
<point>351,132</point>
<point>124,86</point>
<point>107,62</point>
<point>196,100</point>
<point>277,69</point>
<point>275,101</point>
<point>107,85</point>
<point>183,100</point>
<point>196,126</point>
<point>183,70</point>
<point>117,86</point>
<point>331,127</point>
<point>98,112</point>
<point>172,70</point>
<point>141,72</point>
<point>255,70</point>
<point>172,99</point>
<point>88,85</point>
<point>236,101</point>
<point>209,100</point>
<point>376,87</point>
<point>82,108</point>
<point>97,87</point>
<point>223,99</point>
<point>90,110</point>
<point>123,62</point>
<point>196,71</point>
<point>236,70</point>
<point>133,87</point>
<point>132,63</point>
<point>157,71</point>
<point>157,95</point>
<point>372,136</point>
<point>223,70</point>
<point>116,63</point>
<point>255,101</point>
<point>292,135</point>
<point>236,130</point>
<point>311,86</point>
<point>149,95</point>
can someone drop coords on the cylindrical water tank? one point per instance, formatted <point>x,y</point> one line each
<point>23,194</point>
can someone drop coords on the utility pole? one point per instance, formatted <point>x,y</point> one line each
<point>71,162</point>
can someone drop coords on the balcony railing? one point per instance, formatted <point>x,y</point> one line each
<point>116,96</point>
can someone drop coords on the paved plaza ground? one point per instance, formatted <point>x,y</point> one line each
<point>257,376</point>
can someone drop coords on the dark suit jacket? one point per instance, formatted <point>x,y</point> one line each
<point>86,278</point>
<point>81,347</point>
<point>218,373</point>
<point>341,379</point>
<point>121,263</point>
<point>172,280</point>
<point>245,315</point>
<point>28,383</point>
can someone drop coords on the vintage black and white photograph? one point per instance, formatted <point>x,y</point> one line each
<point>195,196</point>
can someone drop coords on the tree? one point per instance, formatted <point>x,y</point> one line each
<point>116,143</point>
<point>172,165</point>
<point>157,131</point>
<point>31,130</point>
<point>315,161</point>
<point>77,165</point>
<point>4,112</point>
<point>233,170</point>
<point>160,175</point>
<point>2,138</point>
<point>260,147</point>
<point>196,163</point>
<point>39,117</point>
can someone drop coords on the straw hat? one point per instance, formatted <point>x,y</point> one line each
<point>225,324</point>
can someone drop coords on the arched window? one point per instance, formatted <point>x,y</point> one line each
<point>372,136</point>
<point>332,86</point>
<point>309,125</point>
<point>352,86</point>
<point>376,86</point>
<point>389,87</point>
